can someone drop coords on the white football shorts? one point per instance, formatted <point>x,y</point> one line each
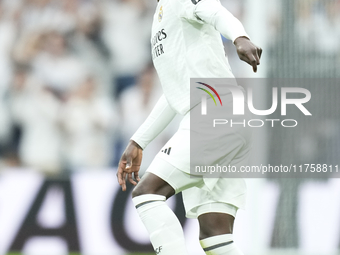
<point>201,193</point>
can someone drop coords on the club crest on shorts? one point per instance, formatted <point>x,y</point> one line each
<point>160,15</point>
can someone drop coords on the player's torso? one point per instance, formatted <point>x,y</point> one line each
<point>169,53</point>
<point>182,48</point>
<point>167,35</point>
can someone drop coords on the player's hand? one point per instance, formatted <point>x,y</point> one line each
<point>129,165</point>
<point>248,52</point>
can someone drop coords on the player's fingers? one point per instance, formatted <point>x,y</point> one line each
<point>245,58</point>
<point>128,163</point>
<point>131,180</point>
<point>254,67</point>
<point>121,179</point>
<point>259,52</point>
<point>134,168</point>
<point>121,166</point>
<point>254,62</point>
<point>136,174</point>
<point>123,185</point>
<point>256,55</point>
<point>250,59</point>
<point>120,172</point>
<point>256,59</point>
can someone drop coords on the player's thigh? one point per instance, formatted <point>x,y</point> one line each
<point>215,223</point>
<point>163,178</point>
<point>152,184</point>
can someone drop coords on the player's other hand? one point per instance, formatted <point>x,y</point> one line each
<point>129,165</point>
<point>248,52</point>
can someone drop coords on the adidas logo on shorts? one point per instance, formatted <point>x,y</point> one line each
<point>167,151</point>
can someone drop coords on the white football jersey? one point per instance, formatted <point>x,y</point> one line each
<point>185,47</point>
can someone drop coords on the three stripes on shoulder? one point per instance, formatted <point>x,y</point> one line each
<point>166,151</point>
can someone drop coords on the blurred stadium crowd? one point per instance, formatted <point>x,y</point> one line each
<point>77,79</point>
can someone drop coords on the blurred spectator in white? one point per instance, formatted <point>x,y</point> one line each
<point>327,28</point>
<point>136,104</point>
<point>305,23</point>
<point>126,32</point>
<point>35,109</point>
<point>8,33</point>
<point>7,39</point>
<point>87,44</point>
<point>55,66</point>
<point>42,15</point>
<point>5,126</point>
<point>318,25</point>
<point>88,121</point>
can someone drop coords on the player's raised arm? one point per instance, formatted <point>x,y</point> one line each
<point>129,164</point>
<point>213,13</point>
